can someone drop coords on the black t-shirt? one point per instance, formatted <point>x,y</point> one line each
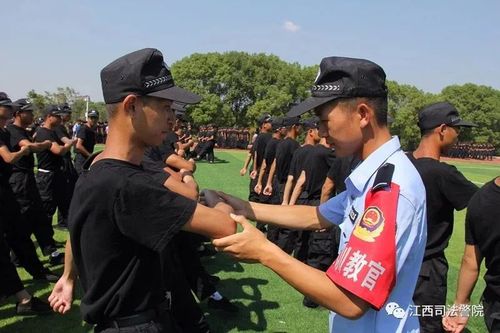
<point>447,189</point>
<point>270,152</point>
<point>18,134</point>
<point>121,220</point>
<point>298,160</point>
<point>318,162</point>
<point>260,147</point>
<point>5,168</point>
<point>167,147</point>
<point>46,159</point>
<point>62,132</point>
<point>341,169</point>
<point>88,136</point>
<point>284,154</point>
<point>482,228</point>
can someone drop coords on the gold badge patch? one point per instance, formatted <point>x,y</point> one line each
<point>371,224</point>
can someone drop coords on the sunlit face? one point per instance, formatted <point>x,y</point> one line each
<point>153,120</point>
<point>341,127</point>
<point>26,117</point>
<point>5,115</point>
<point>449,136</point>
<point>92,121</point>
<point>267,126</point>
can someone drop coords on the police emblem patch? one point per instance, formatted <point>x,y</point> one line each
<point>371,224</point>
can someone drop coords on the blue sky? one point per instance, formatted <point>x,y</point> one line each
<point>429,44</point>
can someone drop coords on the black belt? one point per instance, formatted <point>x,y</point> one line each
<point>136,319</point>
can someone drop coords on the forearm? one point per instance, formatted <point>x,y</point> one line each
<point>261,172</point>
<point>293,217</point>
<point>82,151</point>
<point>467,279</point>
<point>297,191</point>
<point>271,173</point>
<point>287,190</point>
<point>327,190</point>
<point>312,282</point>
<point>70,272</point>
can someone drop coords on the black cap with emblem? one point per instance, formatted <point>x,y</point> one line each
<point>440,113</point>
<point>341,77</point>
<point>143,73</point>
<point>5,100</point>
<point>23,104</point>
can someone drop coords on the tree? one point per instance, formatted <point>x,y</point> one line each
<point>237,87</point>
<point>479,104</point>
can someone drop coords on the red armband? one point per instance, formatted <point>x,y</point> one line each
<point>367,265</point>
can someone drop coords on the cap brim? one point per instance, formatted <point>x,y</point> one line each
<point>465,123</point>
<point>309,104</point>
<point>177,94</point>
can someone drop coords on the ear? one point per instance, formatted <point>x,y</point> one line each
<point>129,105</point>
<point>366,113</point>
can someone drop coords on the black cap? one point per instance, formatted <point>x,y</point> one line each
<point>65,108</point>
<point>92,114</point>
<point>142,72</point>
<point>440,113</point>
<point>310,123</point>
<point>176,106</point>
<point>53,110</point>
<point>23,104</point>
<point>290,121</point>
<point>277,123</point>
<point>265,118</point>
<point>340,77</point>
<point>5,100</point>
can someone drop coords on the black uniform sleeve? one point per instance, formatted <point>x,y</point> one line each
<point>150,214</point>
<point>293,171</point>
<point>471,219</point>
<point>61,132</point>
<point>82,133</point>
<point>456,188</point>
<point>334,170</point>
<point>41,135</point>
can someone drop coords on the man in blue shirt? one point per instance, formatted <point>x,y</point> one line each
<point>382,213</point>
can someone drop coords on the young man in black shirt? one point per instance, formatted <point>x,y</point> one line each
<point>23,183</point>
<point>122,219</point>
<point>51,179</point>
<point>68,170</point>
<point>257,154</point>
<point>482,241</point>
<point>85,140</point>
<point>280,167</point>
<point>447,190</point>
<point>10,225</point>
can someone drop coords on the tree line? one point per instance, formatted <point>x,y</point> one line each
<point>237,87</point>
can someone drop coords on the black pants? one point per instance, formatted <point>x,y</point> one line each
<point>17,231</point>
<point>323,248</point>
<point>198,278</point>
<point>273,232</point>
<point>10,283</point>
<point>79,161</point>
<point>491,305</point>
<point>431,290</point>
<point>23,185</point>
<point>207,150</point>
<point>53,187</point>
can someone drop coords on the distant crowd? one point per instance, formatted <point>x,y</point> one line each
<point>478,151</point>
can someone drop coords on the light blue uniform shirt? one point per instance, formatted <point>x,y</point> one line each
<point>347,208</point>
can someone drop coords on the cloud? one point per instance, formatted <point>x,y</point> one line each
<point>290,26</point>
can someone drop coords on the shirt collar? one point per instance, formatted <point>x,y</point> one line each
<point>365,170</point>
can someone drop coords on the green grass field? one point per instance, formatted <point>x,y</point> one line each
<point>266,303</point>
